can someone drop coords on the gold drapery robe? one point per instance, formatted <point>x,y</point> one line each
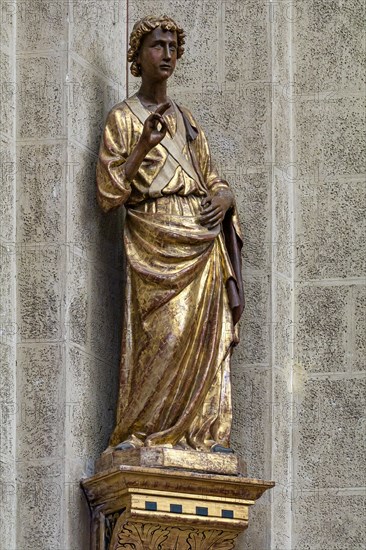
<point>178,326</point>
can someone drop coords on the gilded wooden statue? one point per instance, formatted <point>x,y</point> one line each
<point>184,293</point>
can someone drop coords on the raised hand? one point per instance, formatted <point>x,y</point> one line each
<point>150,137</point>
<point>155,127</point>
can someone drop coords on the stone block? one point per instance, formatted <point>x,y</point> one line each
<point>329,445</point>
<point>161,457</point>
<point>321,328</point>
<point>40,291</point>
<point>42,25</point>
<point>91,393</point>
<point>329,521</point>
<point>245,43</point>
<point>103,48</point>
<point>41,402</point>
<point>41,173</point>
<point>90,98</point>
<point>238,130</point>
<point>330,230</point>
<point>255,324</point>
<point>330,137</point>
<point>40,97</point>
<point>40,509</point>
<point>329,40</point>
<point>251,433</point>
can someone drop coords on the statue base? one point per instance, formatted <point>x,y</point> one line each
<point>164,457</point>
<point>150,508</point>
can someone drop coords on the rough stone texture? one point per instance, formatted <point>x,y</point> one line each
<point>84,375</point>
<point>7,25</point>
<point>40,292</point>
<point>41,25</point>
<point>41,194</point>
<point>330,229</point>
<point>41,411</point>
<point>40,96</point>
<point>78,299</point>
<point>40,490</point>
<point>330,449</point>
<point>331,56</point>
<point>258,535</point>
<point>90,97</point>
<point>102,48</point>
<point>333,521</point>
<point>330,137</point>
<point>321,327</point>
<point>251,438</point>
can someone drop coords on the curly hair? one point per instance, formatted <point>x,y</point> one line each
<point>143,27</point>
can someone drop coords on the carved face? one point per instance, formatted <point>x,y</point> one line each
<point>158,55</point>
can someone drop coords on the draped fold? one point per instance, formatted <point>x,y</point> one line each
<point>181,333</point>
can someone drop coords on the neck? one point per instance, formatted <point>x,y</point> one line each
<point>153,92</point>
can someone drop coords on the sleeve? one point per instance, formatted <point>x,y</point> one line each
<point>113,188</point>
<point>207,165</point>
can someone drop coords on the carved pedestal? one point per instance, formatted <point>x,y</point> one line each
<point>148,508</point>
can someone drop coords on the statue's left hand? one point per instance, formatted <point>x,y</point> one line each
<point>214,208</point>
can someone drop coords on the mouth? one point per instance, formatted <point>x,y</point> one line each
<point>165,66</point>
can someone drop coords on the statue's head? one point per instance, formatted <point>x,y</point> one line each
<point>146,26</point>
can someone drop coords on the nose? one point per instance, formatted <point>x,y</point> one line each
<point>167,52</point>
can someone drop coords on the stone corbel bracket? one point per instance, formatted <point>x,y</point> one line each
<point>139,508</point>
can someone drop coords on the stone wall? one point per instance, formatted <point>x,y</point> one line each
<point>278,87</point>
